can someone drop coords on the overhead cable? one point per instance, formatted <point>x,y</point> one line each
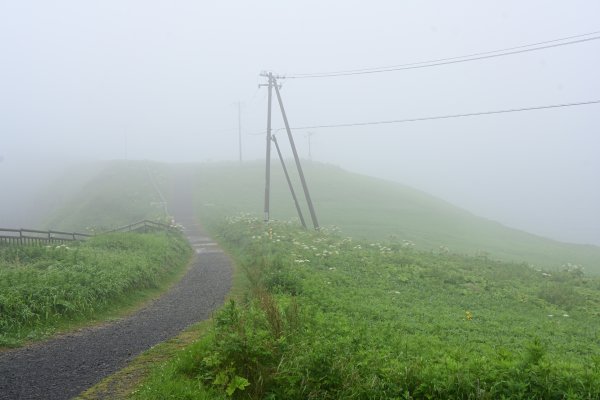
<point>451,60</point>
<point>473,114</point>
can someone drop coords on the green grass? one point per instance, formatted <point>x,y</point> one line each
<point>374,209</point>
<point>362,206</point>
<point>130,380</point>
<point>329,317</point>
<point>46,288</point>
<point>118,194</point>
<point>381,321</point>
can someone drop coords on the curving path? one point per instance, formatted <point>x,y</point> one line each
<point>63,367</point>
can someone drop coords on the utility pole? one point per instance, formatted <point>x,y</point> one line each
<point>308,135</point>
<point>239,105</point>
<point>268,155</point>
<point>287,177</point>
<point>126,144</point>
<point>273,83</point>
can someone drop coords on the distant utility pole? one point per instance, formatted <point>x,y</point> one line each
<point>308,135</point>
<point>126,144</point>
<point>239,106</point>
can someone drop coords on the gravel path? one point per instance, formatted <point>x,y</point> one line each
<point>63,367</point>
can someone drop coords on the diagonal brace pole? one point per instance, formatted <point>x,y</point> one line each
<point>287,177</point>
<point>296,158</point>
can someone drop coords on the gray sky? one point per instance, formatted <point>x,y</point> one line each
<point>157,80</point>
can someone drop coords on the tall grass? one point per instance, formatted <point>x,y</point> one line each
<point>42,287</point>
<point>328,317</point>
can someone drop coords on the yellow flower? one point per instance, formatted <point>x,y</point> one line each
<point>468,315</point>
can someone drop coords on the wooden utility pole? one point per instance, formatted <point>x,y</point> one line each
<point>268,155</point>
<point>309,135</point>
<point>273,83</point>
<point>239,105</point>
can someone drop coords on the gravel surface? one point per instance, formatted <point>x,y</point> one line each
<point>63,367</point>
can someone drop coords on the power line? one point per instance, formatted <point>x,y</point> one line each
<point>397,121</point>
<point>454,58</point>
<point>450,60</point>
<point>473,114</point>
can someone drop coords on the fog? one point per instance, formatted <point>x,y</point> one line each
<point>159,80</point>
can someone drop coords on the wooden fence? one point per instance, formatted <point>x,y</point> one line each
<point>143,226</point>
<point>38,237</point>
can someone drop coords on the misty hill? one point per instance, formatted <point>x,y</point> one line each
<point>115,194</point>
<point>361,206</point>
<point>366,207</point>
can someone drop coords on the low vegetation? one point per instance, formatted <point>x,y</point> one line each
<point>42,288</point>
<point>375,209</point>
<point>119,194</point>
<point>329,317</point>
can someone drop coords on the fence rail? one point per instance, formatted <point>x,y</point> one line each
<point>145,226</point>
<point>39,237</point>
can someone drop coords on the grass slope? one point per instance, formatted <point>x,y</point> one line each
<point>328,317</point>
<point>366,207</point>
<point>119,193</point>
<point>362,206</point>
<point>45,288</point>
<point>49,288</point>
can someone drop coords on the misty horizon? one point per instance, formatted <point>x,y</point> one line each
<point>147,80</point>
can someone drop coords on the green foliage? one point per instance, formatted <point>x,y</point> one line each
<point>534,352</point>
<point>563,295</point>
<point>328,317</point>
<point>40,287</point>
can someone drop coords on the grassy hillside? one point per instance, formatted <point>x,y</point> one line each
<point>119,193</point>
<point>48,288</point>
<point>330,317</point>
<point>361,206</point>
<point>365,207</point>
<point>327,317</point>
<point>45,288</point>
